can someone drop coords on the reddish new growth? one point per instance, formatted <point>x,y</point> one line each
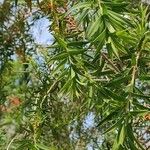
<point>147,117</point>
<point>15,101</point>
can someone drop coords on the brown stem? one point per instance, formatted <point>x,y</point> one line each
<point>110,62</point>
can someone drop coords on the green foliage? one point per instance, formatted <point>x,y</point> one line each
<point>98,64</point>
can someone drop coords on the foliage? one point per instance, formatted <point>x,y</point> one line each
<point>89,88</point>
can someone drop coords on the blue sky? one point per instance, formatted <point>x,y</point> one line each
<point>40,32</point>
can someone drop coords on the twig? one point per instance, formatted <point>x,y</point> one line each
<point>52,88</point>
<point>139,50</point>
<point>110,62</point>
<point>11,142</point>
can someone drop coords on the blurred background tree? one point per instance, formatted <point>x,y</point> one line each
<point>89,88</point>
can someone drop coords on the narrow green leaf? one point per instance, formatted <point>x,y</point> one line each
<point>118,44</point>
<point>73,74</point>
<point>109,27</point>
<point>75,51</point>
<point>117,81</point>
<point>140,106</point>
<point>60,65</point>
<point>81,83</point>
<point>115,49</point>
<point>62,75</point>
<point>120,138</point>
<point>61,42</point>
<point>139,112</point>
<point>77,43</point>
<point>60,56</point>
<point>131,144</point>
<point>101,37</point>
<point>144,77</point>
<point>115,4</point>
<point>94,26</point>
<point>122,135</point>
<point>123,34</point>
<point>79,6</point>
<point>119,18</point>
<point>145,97</point>
<point>108,118</point>
<point>114,126</point>
<point>132,137</point>
<point>82,16</point>
<point>66,86</point>
<point>43,147</point>
<point>114,95</point>
<point>116,24</point>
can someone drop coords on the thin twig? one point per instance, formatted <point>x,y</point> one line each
<point>135,67</point>
<point>11,142</point>
<point>49,91</point>
<point>110,62</point>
